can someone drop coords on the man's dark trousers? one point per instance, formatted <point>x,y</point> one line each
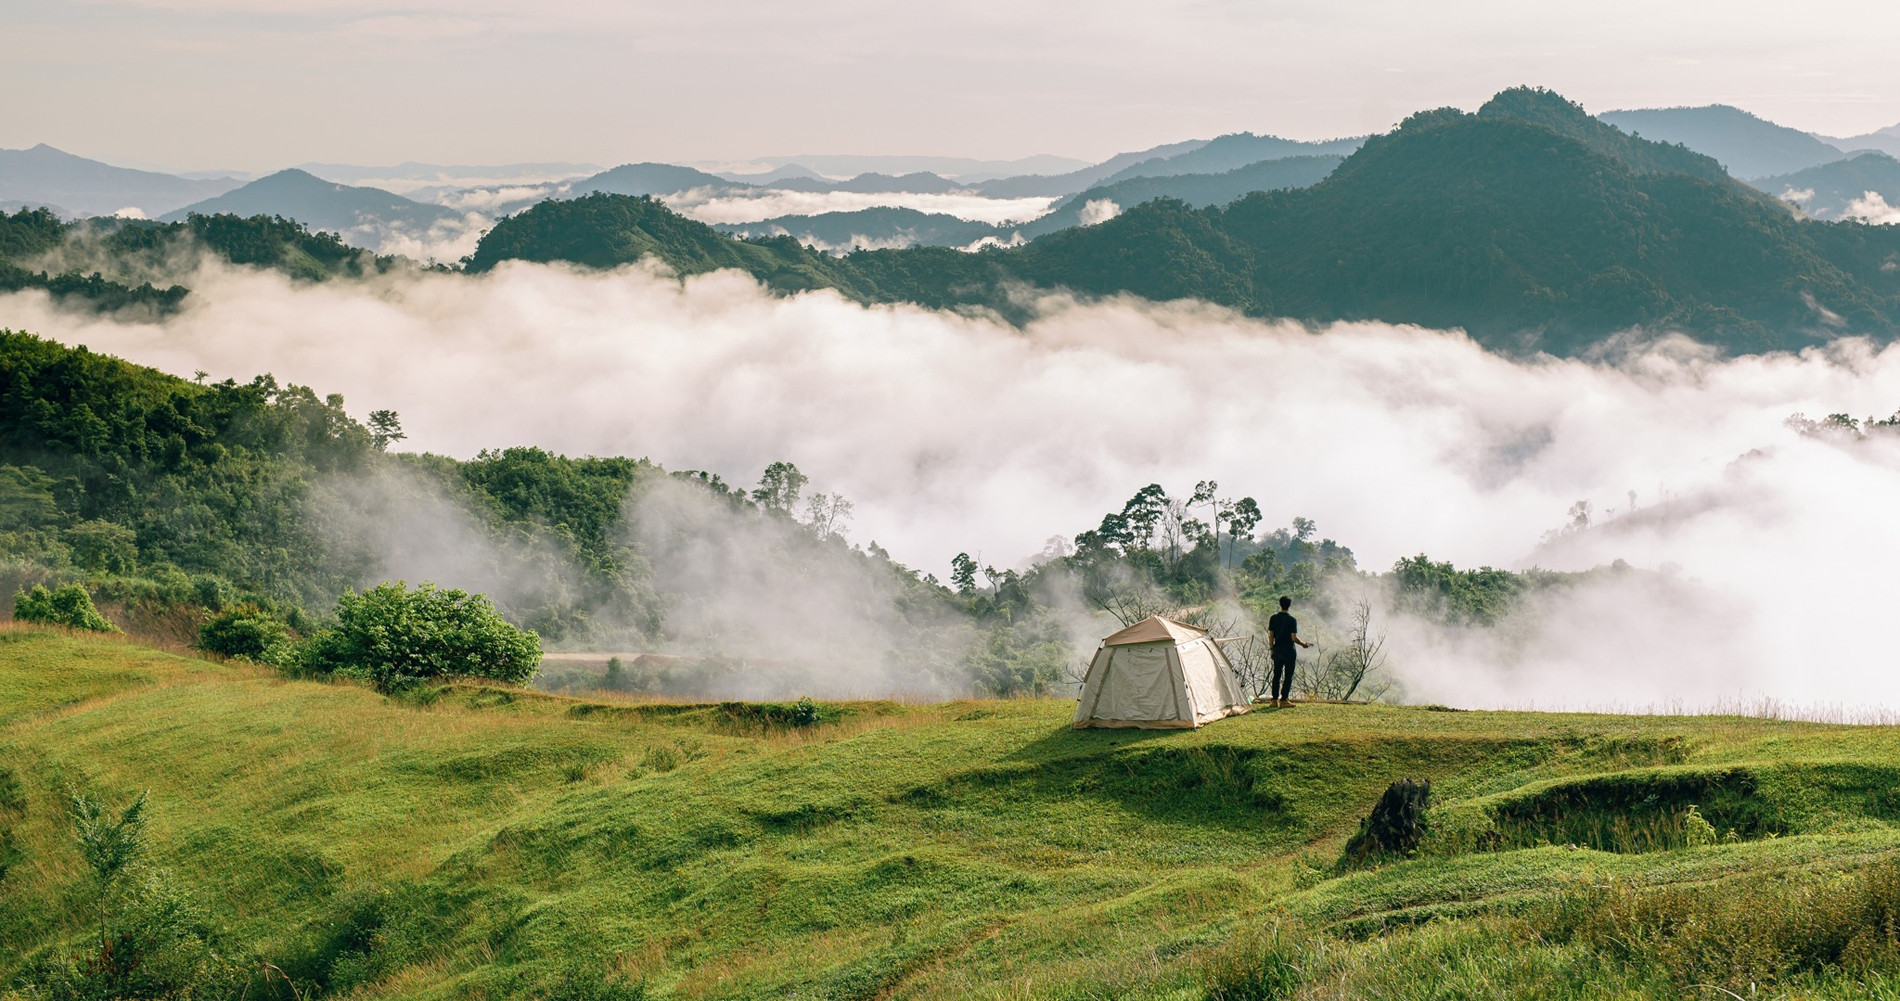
<point>1282,680</point>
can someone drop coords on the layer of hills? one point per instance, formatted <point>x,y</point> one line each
<point>1529,223</point>
<point>898,227</point>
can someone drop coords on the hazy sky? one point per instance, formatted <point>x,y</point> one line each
<point>257,84</point>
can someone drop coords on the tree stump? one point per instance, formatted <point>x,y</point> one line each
<point>1396,824</point>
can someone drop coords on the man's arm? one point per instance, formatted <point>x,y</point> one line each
<point>1296,639</point>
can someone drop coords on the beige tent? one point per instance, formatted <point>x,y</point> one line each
<point>1159,674</point>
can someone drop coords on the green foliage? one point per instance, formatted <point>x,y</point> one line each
<point>109,847</point>
<point>1454,596</point>
<point>142,469</point>
<point>247,632</point>
<point>394,637</point>
<point>68,605</point>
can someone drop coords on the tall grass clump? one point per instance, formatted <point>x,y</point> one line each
<point>1740,934</point>
<point>1265,965</point>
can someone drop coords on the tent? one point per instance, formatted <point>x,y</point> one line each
<point>1159,674</point>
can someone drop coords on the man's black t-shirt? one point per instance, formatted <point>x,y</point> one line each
<point>1281,628</point>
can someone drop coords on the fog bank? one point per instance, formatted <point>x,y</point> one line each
<point>953,433</point>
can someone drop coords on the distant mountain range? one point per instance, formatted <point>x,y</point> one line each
<point>76,186</point>
<point>1746,146</point>
<point>1531,224</point>
<point>320,204</point>
<point>1885,140</point>
<point>881,228</point>
<point>1232,152</point>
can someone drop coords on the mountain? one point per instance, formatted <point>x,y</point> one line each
<point>1885,140</point>
<point>1829,191</point>
<point>1745,145</point>
<point>320,204</point>
<point>1231,152</point>
<point>1043,185</point>
<point>872,228</point>
<point>605,230</point>
<point>770,178</point>
<point>1530,224</point>
<point>43,175</point>
<point>650,179</point>
<point>411,174</point>
<point>1198,190</point>
<point>921,182</point>
<point>964,169</point>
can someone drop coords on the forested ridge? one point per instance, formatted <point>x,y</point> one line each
<point>114,264</point>
<point>1528,223</point>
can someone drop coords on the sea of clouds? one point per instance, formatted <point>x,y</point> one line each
<point>1762,557</point>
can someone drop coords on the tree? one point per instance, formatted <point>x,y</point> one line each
<point>1242,517</point>
<point>827,514</point>
<point>963,574</point>
<point>1341,673</point>
<point>779,488</point>
<point>110,849</point>
<point>394,637</point>
<point>385,428</point>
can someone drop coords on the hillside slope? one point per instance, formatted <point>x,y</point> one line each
<point>490,842</point>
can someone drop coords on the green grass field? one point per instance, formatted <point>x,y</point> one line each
<point>491,842</point>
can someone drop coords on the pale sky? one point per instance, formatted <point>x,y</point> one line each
<point>259,84</point>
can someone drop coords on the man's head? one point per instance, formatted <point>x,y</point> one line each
<point>1285,603</point>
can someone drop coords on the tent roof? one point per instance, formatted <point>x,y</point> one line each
<point>1155,629</point>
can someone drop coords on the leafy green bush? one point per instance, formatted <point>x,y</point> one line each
<point>248,632</point>
<point>394,637</point>
<point>70,606</point>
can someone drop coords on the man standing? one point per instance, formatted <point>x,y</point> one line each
<point>1283,631</point>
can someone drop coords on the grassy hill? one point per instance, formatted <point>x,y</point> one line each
<point>487,842</point>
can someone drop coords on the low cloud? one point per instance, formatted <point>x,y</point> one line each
<point>1097,210</point>
<point>1872,207</point>
<point>1762,556</point>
